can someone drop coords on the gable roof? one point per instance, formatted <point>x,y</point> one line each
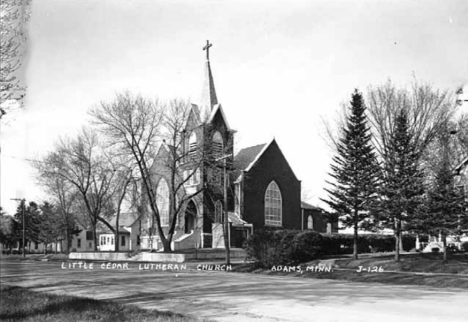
<point>126,219</point>
<point>259,155</point>
<point>194,116</point>
<point>244,158</point>
<point>305,205</point>
<point>236,220</point>
<point>215,110</point>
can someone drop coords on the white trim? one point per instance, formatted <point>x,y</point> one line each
<point>460,166</point>
<point>240,177</point>
<point>259,155</point>
<point>213,113</point>
<point>263,151</point>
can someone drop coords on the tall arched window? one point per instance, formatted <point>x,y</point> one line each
<point>162,201</point>
<point>273,205</point>
<point>310,222</point>
<point>218,211</point>
<point>192,149</point>
<point>217,145</point>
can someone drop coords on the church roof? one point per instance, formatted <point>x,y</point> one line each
<point>236,220</point>
<point>219,108</point>
<point>194,118</point>
<point>126,219</point>
<point>244,158</point>
<point>305,205</point>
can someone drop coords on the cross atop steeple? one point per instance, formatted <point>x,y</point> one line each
<point>207,48</point>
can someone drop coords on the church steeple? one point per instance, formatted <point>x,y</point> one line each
<point>208,99</point>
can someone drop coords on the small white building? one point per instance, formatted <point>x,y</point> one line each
<point>107,241</point>
<point>129,234</point>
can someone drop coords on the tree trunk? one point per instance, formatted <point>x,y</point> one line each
<point>397,240</point>
<point>117,236</point>
<point>355,248</point>
<point>67,236</point>
<point>444,240</point>
<point>95,238</point>
<point>166,245</point>
<point>397,247</point>
<point>401,241</point>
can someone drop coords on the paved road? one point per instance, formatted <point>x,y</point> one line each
<point>226,296</point>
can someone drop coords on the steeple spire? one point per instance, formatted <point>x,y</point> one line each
<point>208,99</point>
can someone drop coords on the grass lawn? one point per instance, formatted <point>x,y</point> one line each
<point>36,257</point>
<point>412,262</point>
<point>20,304</point>
<point>413,269</point>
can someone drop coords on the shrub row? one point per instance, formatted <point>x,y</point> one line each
<point>273,247</point>
<point>288,247</point>
<point>335,244</point>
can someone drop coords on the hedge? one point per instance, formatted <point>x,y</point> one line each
<point>288,247</point>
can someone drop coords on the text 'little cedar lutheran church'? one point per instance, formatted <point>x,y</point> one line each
<point>263,190</point>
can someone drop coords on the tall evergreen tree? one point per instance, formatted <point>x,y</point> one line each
<point>402,189</point>
<point>31,222</point>
<point>355,170</point>
<point>446,207</point>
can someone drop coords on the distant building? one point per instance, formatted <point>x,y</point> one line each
<point>83,241</point>
<point>129,233</point>
<point>314,218</point>
<point>461,176</point>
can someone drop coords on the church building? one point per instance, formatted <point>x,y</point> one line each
<point>262,189</point>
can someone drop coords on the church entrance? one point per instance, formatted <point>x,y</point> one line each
<point>190,216</point>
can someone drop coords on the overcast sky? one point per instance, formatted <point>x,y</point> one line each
<point>278,66</point>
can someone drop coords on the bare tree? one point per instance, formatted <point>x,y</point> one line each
<point>14,15</point>
<point>132,125</point>
<point>156,136</point>
<point>428,109</point>
<point>81,163</point>
<point>182,163</point>
<point>121,185</point>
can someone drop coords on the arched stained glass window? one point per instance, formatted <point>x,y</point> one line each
<point>162,201</point>
<point>310,222</point>
<point>218,211</point>
<point>273,205</point>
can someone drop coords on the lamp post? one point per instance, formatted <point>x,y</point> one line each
<point>226,217</point>
<point>24,226</point>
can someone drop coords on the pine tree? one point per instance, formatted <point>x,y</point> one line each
<point>31,222</point>
<point>355,170</point>
<point>402,190</point>
<point>447,207</point>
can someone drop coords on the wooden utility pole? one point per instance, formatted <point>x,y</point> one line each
<point>226,216</point>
